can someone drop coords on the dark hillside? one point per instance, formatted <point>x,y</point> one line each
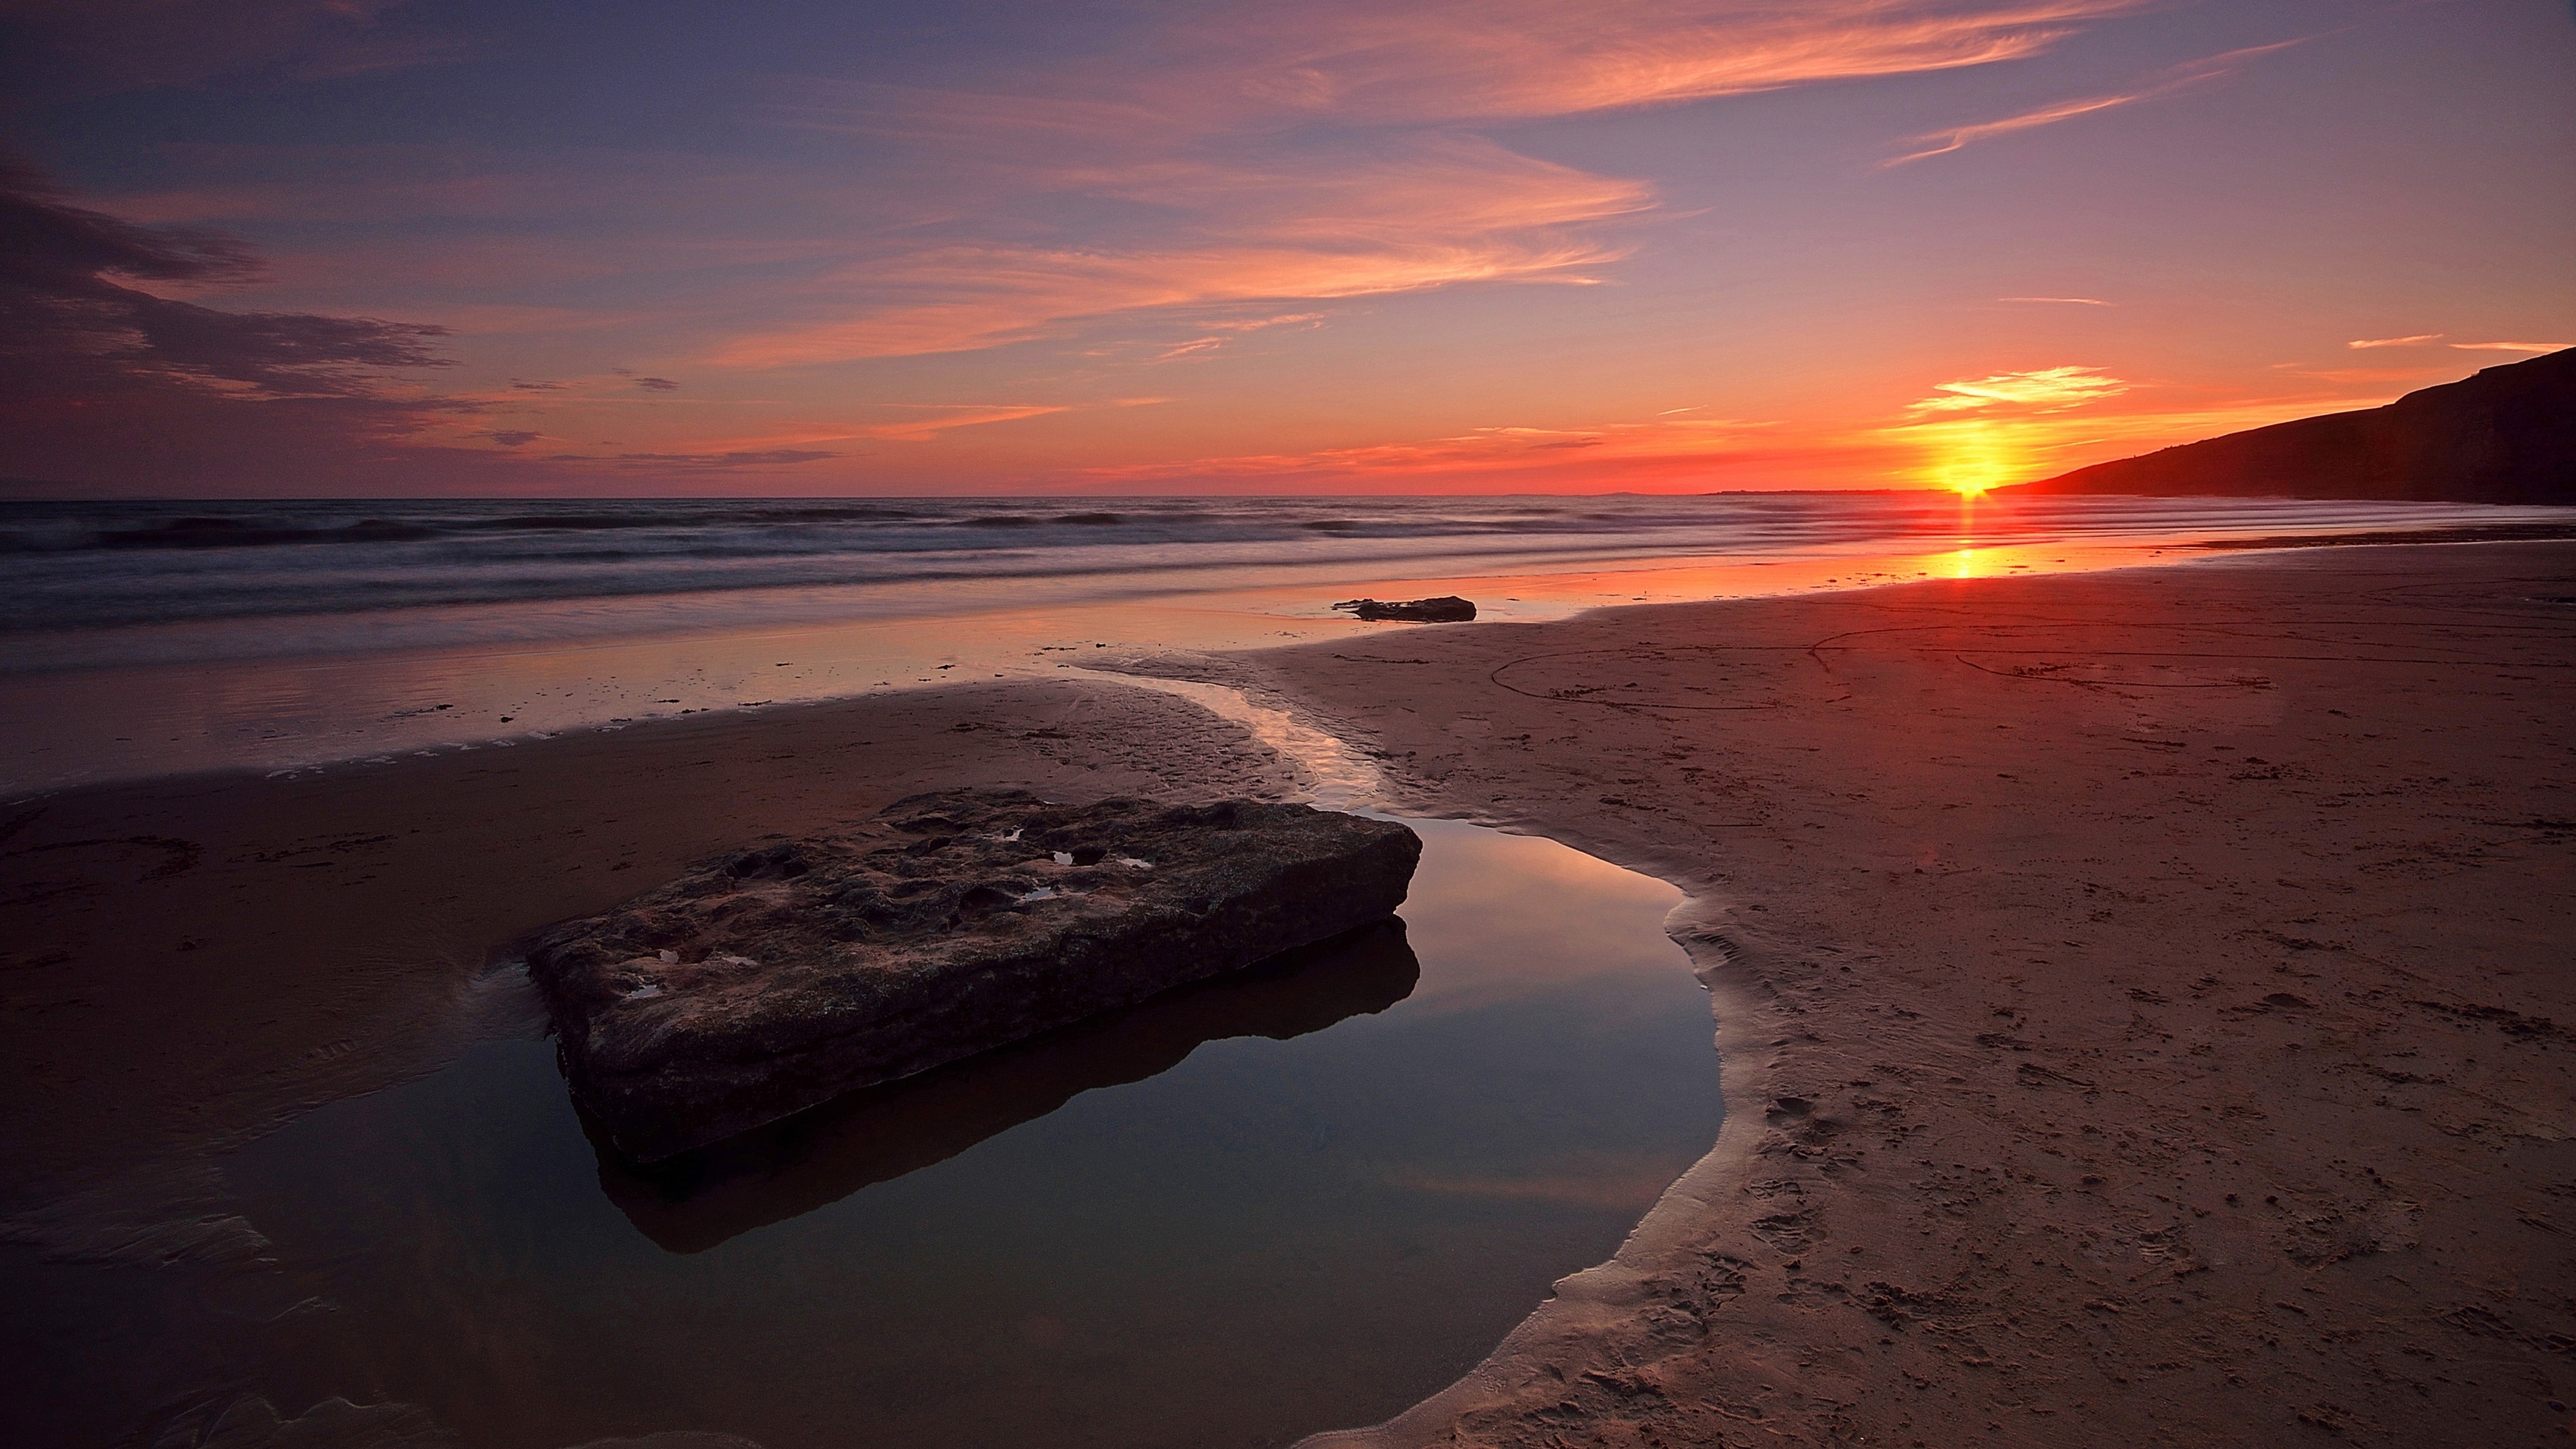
<point>2506,435</point>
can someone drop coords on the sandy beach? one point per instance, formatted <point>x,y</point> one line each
<point>195,960</point>
<point>2141,994</point>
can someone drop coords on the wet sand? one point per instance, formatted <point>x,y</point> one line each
<point>2145,998</point>
<point>191,961</point>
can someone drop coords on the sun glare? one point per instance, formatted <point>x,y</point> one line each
<point>1972,458</point>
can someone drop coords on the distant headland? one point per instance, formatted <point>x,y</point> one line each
<point>2506,435</point>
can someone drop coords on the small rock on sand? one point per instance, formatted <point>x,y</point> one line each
<point>1447,609</point>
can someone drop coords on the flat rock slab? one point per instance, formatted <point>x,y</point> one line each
<point>770,980</point>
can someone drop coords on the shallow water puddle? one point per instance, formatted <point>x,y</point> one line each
<point>1298,1199</point>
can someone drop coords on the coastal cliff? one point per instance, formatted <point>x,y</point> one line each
<point>2505,435</point>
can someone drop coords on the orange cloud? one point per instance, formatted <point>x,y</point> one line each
<point>2513,346</point>
<point>1482,452</point>
<point>2014,427</point>
<point>939,418</point>
<point>1482,60</point>
<point>1309,153</point>
<point>1221,333</point>
<point>1496,59</point>
<point>1434,214</point>
<point>2416,340</point>
<point>2048,389</point>
<point>999,296</point>
<point>807,442</point>
<point>2045,116</point>
<point>1978,450</point>
<point>2178,78</point>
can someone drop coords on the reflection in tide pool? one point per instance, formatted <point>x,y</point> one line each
<point>1302,1198</point>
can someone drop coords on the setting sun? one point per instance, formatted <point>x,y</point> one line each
<point>1971,457</point>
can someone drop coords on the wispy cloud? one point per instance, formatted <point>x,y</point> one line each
<point>736,461</point>
<point>1482,453</point>
<point>976,297</point>
<point>2420,338</point>
<point>1953,140</point>
<point>2073,301</point>
<point>1235,174</point>
<point>2165,83</point>
<point>1311,153</point>
<point>1472,60</point>
<point>1318,223</point>
<point>2049,389</point>
<point>1217,334</point>
<point>937,418</point>
<point>93,350</point>
<point>2015,442</point>
<point>2513,346</point>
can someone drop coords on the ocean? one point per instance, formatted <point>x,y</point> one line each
<point>151,638</point>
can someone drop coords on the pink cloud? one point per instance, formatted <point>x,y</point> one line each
<point>937,418</point>
<point>1483,453</point>
<point>2181,77</point>
<point>1498,59</point>
<point>1435,214</point>
<point>1467,61</point>
<point>1310,153</point>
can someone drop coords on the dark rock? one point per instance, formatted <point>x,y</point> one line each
<point>779,977</point>
<point>2506,435</point>
<point>788,1168</point>
<point>1448,609</point>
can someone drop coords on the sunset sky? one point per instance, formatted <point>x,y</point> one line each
<point>360,246</point>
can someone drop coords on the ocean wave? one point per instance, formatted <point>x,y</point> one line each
<point>73,566</point>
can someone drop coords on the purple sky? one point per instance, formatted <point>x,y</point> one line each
<point>365,247</point>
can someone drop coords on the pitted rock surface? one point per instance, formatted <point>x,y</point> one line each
<point>775,978</point>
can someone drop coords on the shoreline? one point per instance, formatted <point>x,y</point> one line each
<point>405,883</point>
<point>1979,1183</point>
<point>1707,1323</point>
<point>388,690</point>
